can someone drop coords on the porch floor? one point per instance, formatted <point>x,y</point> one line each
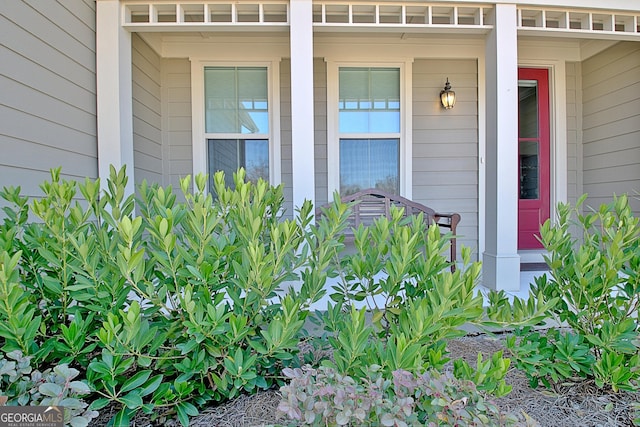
<point>527,277</point>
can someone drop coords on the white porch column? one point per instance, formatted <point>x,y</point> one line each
<point>113,89</point>
<point>501,262</point>
<point>302,129</point>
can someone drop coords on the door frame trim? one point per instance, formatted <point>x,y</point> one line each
<point>558,171</point>
<point>542,204</point>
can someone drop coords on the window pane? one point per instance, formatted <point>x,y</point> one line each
<point>256,160</point>
<point>229,155</point>
<point>528,108</point>
<point>369,100</point>
<point>236,100</point>
<point>220,99</point>
<point>369,163</point>
<point>529,185</point>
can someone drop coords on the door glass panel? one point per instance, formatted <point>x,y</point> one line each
<point>528,108</point>
<point>529,170</point>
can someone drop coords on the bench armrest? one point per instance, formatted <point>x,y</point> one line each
<point>448,220</point>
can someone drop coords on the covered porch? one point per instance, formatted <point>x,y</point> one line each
<point>152,115</point>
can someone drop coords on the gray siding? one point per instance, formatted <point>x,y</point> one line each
<point>47,91</point>
<point>611,124</point>
<point>574,132</point>
<point>445,142</point>
<point>176,116</point>
<point>320,129</point>
<point>285,136</point>
<point>147,128</point>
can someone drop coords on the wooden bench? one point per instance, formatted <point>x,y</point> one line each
<point>372,203</point>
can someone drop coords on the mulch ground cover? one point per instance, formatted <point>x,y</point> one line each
<point>570,404</point>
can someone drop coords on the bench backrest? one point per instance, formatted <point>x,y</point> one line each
<point>373,203</point>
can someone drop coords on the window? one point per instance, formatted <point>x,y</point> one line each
<point>229,155</point>
<point>369,128</point>
<point>237,121</point>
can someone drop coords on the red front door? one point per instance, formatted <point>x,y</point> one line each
<point>533,155</point>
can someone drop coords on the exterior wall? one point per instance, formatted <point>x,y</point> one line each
<point>611,124</point>
<point>176,120</point>
<point>147,129</point>
<point>445,142</point>
<point>48,95</point>
<point>285,136</point>
<point>320,128</point>
<point>574,132</point>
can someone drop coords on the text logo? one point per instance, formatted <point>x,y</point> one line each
<point>31,416</point>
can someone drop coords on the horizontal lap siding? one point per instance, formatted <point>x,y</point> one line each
<point>445,142</point>
<point>320,130</point>
<point>574,133</point>
<point>147,126</point>
<point>611,124</point>
<point>285,136</point>
<point>47,91</point>
<point>176,113</point>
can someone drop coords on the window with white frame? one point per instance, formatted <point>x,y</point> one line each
<point>236,121</point>
<point>369,128</point>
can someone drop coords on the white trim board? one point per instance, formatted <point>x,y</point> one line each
<point>406,122</point>
<point>199,135</point>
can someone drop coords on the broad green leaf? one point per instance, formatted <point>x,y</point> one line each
<point>135,381</point>
<point>132,400</point>
<point>151,385</point>
<point>98,404</point>
<point>121,419</point>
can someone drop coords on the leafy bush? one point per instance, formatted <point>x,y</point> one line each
<point>411,305</point>
<point>398,272</point>
<point>166,308</point>
<point>325,397</point>
<point>595,277</point>
<point>21,385</point>
<point>550,356</point>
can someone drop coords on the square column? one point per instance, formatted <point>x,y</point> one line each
<point>501,262</point>
<point>302,118</point>
<point>114,92</point>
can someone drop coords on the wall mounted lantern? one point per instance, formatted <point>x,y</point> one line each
<point>447,96</point>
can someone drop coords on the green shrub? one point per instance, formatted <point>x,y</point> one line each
<point>411,305</point>
<point>168,308</point>
<point>325,397</point>
<point>595,277</point>
<point>398,274</point>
